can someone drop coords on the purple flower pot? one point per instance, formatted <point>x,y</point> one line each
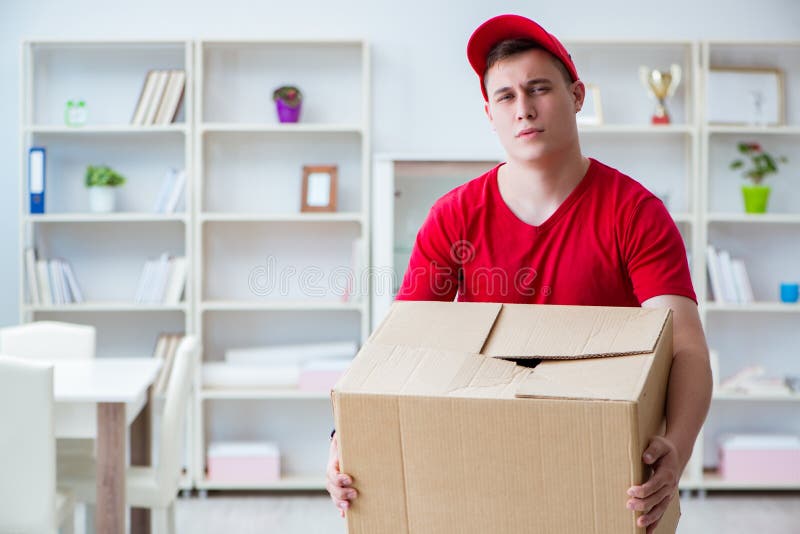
<point>286,113</point>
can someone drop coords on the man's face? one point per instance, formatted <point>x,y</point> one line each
<point>531,106</point>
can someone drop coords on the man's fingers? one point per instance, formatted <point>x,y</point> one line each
<point>655,514</point>
<point>647,504</point>
<point>654,451</point>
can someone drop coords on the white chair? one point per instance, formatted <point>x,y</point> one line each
<point>50,341</point>
<point>152,487</point>
<point>29,502</point>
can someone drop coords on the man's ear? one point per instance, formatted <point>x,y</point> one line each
<point>488,114</point>
<point>578,94</point>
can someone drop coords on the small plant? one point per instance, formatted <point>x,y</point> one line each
<point>289,95</point>
<point>761,163</point>
<point>101,175</point>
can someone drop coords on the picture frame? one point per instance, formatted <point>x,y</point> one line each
<point>592,111</point>
<point>745,96</point>
<point>319,190</point>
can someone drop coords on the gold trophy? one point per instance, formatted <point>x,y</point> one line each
<point>661,85</point>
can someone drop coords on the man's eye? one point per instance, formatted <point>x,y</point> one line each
<point>504,97</point>
<point>539,90</point>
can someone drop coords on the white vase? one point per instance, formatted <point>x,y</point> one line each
<point>102,199</point>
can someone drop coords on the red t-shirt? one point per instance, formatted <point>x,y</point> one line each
<point>610,243</point>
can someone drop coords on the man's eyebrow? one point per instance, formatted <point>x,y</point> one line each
<point>529,82</point>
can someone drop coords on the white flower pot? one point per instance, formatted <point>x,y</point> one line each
<point>102,199</point>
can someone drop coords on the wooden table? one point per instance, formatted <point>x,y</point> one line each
<point>117,388</point>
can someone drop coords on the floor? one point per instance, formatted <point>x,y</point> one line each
<point>717,513</point>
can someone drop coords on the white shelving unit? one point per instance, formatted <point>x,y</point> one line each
<point>765,332</point>
<point>685,163</point>
<point>249,171</point>
<point>107,251</point>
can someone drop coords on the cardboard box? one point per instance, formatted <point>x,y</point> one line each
<point>442,435</point>
<point>760,458</point>
<point>243,462</point>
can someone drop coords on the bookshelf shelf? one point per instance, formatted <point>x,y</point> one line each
<point>239,394</point>
<point>283,218</point>
<point>313,482</point>
<point>755,307</point>
<point>762,218</point>
<point>107,129</point>
<point>760,397</point>
<point>713,481</point>
<point>109,307</point>
<point>320,305</point>
<point>107,217</point>
<point>297,128</point>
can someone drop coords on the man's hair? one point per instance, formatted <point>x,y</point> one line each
<point>512,47</point>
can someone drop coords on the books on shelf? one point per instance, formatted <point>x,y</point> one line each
<point>166,348</point>
<point>162,280</point>
<point>730,283</point>
<point>51,282</point>
<point>171,191</point>
<point>160,98</point>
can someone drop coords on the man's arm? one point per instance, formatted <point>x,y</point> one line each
<point>688,400</point>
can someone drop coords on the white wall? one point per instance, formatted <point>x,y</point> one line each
<point>425,96</point>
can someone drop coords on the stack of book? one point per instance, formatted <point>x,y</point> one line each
<point>171,191</point>
<point>730,283</point>
<point>160,98</point>
<point>51,282</point>
<point>162,281</point>
<point>165,350</point>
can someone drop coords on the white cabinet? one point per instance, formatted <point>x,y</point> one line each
<point>267,273</point>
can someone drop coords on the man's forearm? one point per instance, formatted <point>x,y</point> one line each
<point>688,399</point>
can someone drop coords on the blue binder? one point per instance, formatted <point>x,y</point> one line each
<point>36,178</point>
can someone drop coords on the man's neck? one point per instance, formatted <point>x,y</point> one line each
<point>534,189</point>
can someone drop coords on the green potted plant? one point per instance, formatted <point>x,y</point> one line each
<point>761,164</point>
<point>102,181</point>
<point>288,101</point>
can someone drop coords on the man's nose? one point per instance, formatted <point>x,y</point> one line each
<point>525,108</point>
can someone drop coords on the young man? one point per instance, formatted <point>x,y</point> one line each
<point>551,226</point>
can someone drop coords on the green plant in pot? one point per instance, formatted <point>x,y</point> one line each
<point>761,164</point>
<point>102,182</point>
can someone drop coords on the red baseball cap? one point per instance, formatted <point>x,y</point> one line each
<point>505,27</point>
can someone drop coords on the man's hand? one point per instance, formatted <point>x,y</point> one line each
<point>339,483</point>
<point>653,497</point>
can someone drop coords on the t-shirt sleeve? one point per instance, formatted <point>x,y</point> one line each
<point>432,272</point>
<point>655,254</point>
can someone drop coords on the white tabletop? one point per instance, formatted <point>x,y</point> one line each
<point>104,379</point>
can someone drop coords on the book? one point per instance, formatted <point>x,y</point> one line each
<point>744,289</point>
<point>728,283</point>
<point>74,287</point>
<point>173,95</point>
<point>158,93</point>
<point>30,274</point>
<point>177,281</point>
<point>36,178</point>
<point>160,280</point>
<point>166,191</point>
<point>160,386</point>
<point>175,193</point>
<point>55,283</point>
<point>144,98</point>
<point>714,275</point>
<point>144,282</point>
<point>43,272</point>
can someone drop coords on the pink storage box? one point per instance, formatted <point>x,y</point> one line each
<point>322,375</point>
<point>243,462</point>
<point>760,458</point>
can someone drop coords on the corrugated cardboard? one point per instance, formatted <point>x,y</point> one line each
<point>443,433</point>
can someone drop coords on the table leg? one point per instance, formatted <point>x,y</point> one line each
<point>110,477</point>
<point>140,455</point>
